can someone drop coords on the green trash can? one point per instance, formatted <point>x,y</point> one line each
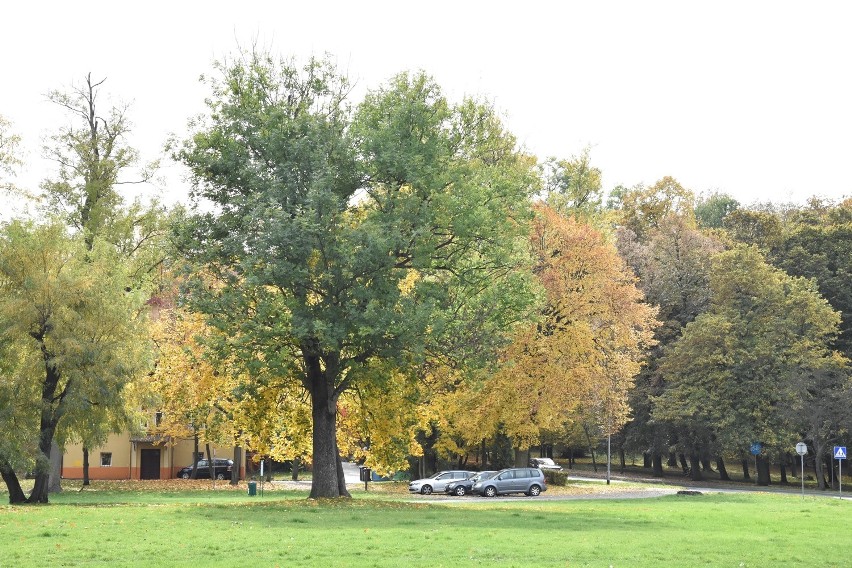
<point>252,488</point>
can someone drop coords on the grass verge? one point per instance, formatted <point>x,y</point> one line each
<point>133,525</point>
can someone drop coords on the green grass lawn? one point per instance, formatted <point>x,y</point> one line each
<point>175,525</point>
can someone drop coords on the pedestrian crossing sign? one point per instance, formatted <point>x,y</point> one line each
<point>840,452</point>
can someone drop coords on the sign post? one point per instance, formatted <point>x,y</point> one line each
<point>802,450</point>
<point>840,455</point>
<point>755,449</point>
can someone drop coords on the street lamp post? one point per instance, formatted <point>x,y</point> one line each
<point>802,450</point>
<point>608,458</point>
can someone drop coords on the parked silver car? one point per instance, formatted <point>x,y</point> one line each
<point>437,481</point>
<point>526,480</point>
<point>464,486</point>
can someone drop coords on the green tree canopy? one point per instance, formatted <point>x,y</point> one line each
<point>390,234</point>
<point>69,341</point>
<point>731,369</point>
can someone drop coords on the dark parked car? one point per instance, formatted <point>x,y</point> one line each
<point>464,486</point>
<point>223,469</point>
<point>526,480</point>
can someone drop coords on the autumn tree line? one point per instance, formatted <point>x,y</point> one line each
<point>396,280</point>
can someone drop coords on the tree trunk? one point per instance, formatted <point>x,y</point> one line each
<point>54,484</point>
<point>723,471</point>
<point>684,465</point>
<point>820,474</point>
<point>570,458</point>
<point>657,465</point>
<point>746,476</point>
<point>763,471</point>
<point>695,468</point>
<point>238,460</point>
<point>522,457</point>
<point>672,460</point>
<point>16,494</point>
<point>211,465</point>
<point>705,463</point>
<point>328,481</point>
<point>783,467</point>
<point>194,474</point>
<point>622,459</point>
<point>85,466</point>
<point>591,449</point>
<point>646,460</point>
<point>294,469</point>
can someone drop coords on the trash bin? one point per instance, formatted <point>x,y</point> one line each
<point>252,485</point>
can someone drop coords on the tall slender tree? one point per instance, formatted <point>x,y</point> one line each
<point>94,161</point>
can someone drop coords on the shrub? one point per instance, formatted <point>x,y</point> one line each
<point>553,477</point>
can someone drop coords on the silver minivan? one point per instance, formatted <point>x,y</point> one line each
<point>526,480</point>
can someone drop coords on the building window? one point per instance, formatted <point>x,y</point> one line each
<point>106,459</point>
<point>158,418</point>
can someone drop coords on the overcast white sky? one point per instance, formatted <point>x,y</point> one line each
<point>751,98</point>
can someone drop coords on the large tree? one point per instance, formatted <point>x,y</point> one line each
<point>588,344</point>
<point>94,162</point>
<point>736,364</point>
<point>673,266</point>
<point>819,246</point>
<point>71,336</point>
<point>338,240</point>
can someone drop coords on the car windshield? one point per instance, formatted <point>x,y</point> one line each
<point>545,461</point>
<point>482,476</point>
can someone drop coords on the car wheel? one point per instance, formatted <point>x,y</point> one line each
<point>426,490</point>
<point>220,476</point>
<point>184,475</point>
<point>534,491</point>
<point>460,491</point>
<point>490,491</point>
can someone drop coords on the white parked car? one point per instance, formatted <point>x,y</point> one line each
<point>545,463</point>
<point>437,482</point>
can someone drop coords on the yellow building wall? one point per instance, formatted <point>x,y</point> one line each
<point>126,458</point>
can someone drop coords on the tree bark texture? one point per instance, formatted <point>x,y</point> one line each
<point>85,465</point>
<point>763,471</point>
<point>695,468</point>
<point>16,494</point>
<point>328,481</point>
<point>723,472</point>
<point>238,460</point>
<point>55,481</point>
<point>657,465</point>
<point>684,465</point>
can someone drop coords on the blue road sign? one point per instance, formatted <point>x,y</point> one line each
<point>755,448</point>
<point>840,452</point>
